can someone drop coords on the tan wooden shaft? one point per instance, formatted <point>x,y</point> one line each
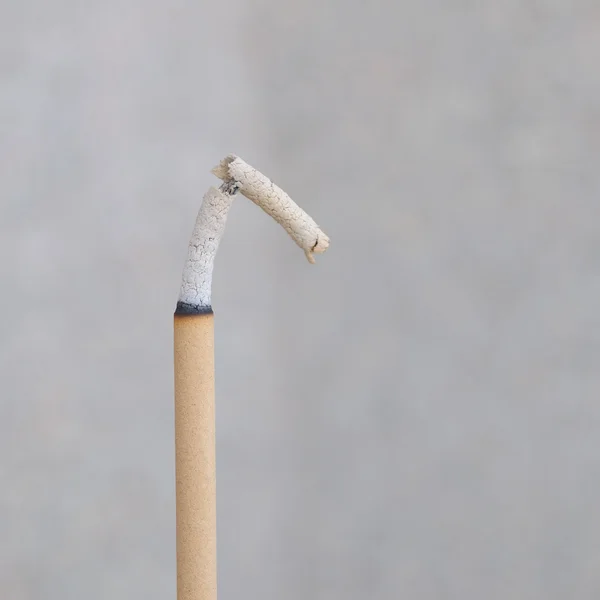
<point>195,458</point>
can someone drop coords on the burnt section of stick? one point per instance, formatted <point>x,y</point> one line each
<point>185,308</point>
<point>230,187</point>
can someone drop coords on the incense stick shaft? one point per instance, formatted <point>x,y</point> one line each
<point>195,458</point>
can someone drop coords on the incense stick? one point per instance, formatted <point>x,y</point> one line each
<point>194,365</point>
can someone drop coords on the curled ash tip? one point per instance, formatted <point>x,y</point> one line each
<point>274,201</point>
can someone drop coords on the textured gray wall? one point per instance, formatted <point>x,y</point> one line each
<point>417,416</point>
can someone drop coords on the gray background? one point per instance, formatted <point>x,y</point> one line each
<point>417,415</point>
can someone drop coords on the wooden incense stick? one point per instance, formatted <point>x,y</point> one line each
<point>194,366</point>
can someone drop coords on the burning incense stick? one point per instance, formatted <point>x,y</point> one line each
<point>194,365</point>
